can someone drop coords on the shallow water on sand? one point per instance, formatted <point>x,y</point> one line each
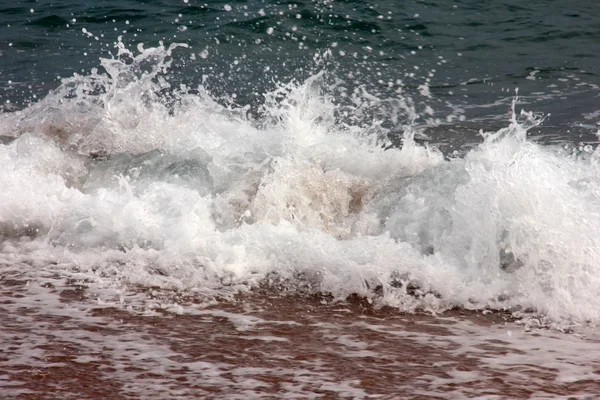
<point>59,343</point>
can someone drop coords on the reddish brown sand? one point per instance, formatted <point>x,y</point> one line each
<point>264,345</point>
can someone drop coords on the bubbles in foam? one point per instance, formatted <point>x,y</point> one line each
<point>127,180</point>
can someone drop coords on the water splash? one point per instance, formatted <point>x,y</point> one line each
<point>119,179</point>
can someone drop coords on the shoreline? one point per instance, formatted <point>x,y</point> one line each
<point>264,345</point>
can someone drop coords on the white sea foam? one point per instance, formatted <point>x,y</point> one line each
<point>110,181</point>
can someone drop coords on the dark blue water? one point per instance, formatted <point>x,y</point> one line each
<point>471,55</point>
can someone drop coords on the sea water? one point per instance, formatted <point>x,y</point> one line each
<point>419,157</point>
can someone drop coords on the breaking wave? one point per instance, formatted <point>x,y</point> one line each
<point>119,179</point>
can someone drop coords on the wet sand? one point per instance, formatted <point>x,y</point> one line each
<point>61,344</point>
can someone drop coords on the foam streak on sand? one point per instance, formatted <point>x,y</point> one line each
<point>58,344</point>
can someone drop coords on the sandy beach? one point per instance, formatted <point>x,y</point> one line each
<point>60,343</point>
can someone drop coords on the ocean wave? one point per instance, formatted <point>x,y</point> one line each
<point>122,180</point>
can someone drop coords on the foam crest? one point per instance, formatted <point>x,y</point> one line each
<point>123,180</point>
